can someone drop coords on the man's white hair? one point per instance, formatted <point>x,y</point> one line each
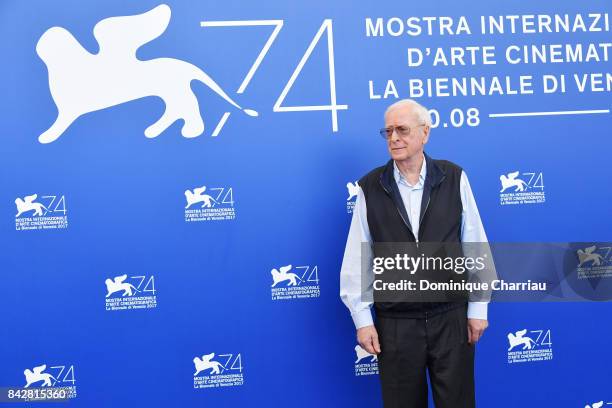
<point>420,111</point>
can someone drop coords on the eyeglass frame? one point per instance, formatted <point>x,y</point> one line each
<point>383,131</point>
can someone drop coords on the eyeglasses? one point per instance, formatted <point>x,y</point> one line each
<point>402,131</point>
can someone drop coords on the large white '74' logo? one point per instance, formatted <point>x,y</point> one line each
<point>326,28</point>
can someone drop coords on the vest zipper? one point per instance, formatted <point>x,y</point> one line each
<point>400,213</point>
<point>421,220</point>
<point>427,206</point>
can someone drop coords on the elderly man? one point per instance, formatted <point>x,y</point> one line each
<point>414,198</point>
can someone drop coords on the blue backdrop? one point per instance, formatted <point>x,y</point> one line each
<point>111,202</point>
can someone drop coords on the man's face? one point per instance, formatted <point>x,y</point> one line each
<point>402,147</point>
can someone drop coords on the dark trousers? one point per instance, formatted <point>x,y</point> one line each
<point>438,345</point>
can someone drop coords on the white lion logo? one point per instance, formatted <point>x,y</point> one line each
<point>198,196</point>
<point>353,190</point>
<point>283,274</point>
<point>518,339</point>
<point>36,375</point>
<point>117,284</point>
<point>595,405</point>
<point>81,82</point>
<point>28,204</point>
<point>205,363</point>
<point>589,255</point>
<point>361,354</point>
<point>511,180</point>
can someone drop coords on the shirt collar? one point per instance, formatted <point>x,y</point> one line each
<point>399,177</point>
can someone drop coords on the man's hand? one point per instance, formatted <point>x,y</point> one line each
<point>367,337</point>
<point>476,328</point>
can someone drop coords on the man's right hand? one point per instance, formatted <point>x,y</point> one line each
<point>367,337</point>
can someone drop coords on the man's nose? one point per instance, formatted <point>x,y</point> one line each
<point>394,136</point>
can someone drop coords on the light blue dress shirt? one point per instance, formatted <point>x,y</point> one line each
<point>350,274</point>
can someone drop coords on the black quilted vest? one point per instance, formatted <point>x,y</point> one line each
<point>440,221</point>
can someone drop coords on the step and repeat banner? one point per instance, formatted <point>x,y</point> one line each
<point>178,180</point>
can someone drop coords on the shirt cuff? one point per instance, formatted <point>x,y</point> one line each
<point>477,310</point>
<point>362,318</point>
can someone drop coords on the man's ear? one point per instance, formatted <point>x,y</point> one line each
<point>426,130</point>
